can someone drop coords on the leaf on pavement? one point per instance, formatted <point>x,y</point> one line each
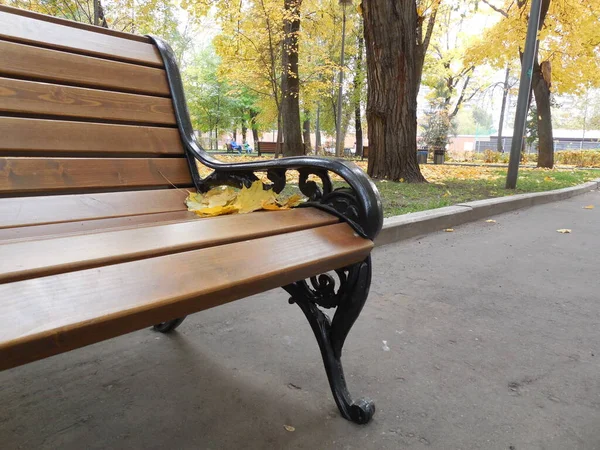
<point>490,221</point>
<point>588,207</point>
<point>449,230</point>
<point>564,230</point>
<point>289,428</point>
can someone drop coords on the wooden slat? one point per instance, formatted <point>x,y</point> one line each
<point>52,230</point>
<point>26,211</point>
<point>54,314</point>
<point>32,259</point>
<point>53,33</point>
<point>29,97</point>
<point>26,61</point>
<point>83,138</point>
<point>25,175</point>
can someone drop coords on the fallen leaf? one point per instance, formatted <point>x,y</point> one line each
<point>564,230</point>
<point>490,221</point>
<point>449,230</point>
<point>289,428</point>
<point>252,198</point>
<point>220,196</point>
<point>216,211</point>
<point>548,179</point>
<point>227,200</point>
<point>588,207</point>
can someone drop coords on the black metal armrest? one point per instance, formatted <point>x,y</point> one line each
<point>359,205</point>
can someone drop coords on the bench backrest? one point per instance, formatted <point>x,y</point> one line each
<point>83,109</point>
<point>266,147</point>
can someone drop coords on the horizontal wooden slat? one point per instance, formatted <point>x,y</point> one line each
<point>26,211</point>
<point>54,314</point>
<point>31,259</point>
<point>29,97</point>
<point>25,175</point>
<point>82,138</point>
<point>26,61</point>
<point>52,230</point>
<point>49,32</point>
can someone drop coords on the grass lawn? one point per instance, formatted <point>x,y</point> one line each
<point>450,185</point>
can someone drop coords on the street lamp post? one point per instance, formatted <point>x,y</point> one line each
<point>524,91</point>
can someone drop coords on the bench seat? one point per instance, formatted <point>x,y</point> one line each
<point>46,315</point>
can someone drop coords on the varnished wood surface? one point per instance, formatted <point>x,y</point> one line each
<point>29,97</point>
<point>83,138</point>
<point>40,210</point>
<point>51,32</point>
<point>33,259</point>
<point>50,315</point>
<point>26,61</point>
<point>92,226</point>
<point>25,175</point>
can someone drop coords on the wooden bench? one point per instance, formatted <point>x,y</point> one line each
<point>96,153</point>
<point>266,147</point>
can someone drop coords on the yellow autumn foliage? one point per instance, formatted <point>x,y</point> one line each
<point>224,200</point>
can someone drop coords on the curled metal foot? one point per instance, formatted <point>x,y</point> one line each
<point>349,299</point>
<point>167,327</point>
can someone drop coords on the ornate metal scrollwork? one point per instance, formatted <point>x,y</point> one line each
<point>349,299</point>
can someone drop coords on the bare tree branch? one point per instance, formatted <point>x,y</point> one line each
<point>498,10</point>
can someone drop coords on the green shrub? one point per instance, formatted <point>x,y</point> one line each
<point>583,158</point>
<point>491,156</point>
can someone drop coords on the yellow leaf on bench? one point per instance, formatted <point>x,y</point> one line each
<point>227,200</point>
<point>252,198</point>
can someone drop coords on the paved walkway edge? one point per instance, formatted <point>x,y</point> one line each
<point>410,225</point>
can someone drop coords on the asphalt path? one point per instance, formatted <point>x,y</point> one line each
<point>487,337</point>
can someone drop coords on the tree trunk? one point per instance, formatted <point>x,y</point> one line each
<point>244,130</point>
<point>290,81</point>
<point>306,133</point>
<point>393,74</point>
<point>279,141</point>
<point>358,79</point>
<point>318,130</point>
<point>541,90</point>
<point>500,147</point>
<point>359,132</point>
<point>253,126</point>
<point>235,134</point>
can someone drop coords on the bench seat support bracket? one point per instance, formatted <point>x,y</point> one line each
<point>348,299</point>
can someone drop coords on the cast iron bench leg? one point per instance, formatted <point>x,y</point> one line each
<point>167,327</point>
<point>331,334</point>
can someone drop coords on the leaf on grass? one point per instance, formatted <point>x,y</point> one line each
<point>564,230</point>
<point>490,221</point>
<point>588,207</point>
<point>289,428</point>
<point>449,230</point>
<point>548,179</point>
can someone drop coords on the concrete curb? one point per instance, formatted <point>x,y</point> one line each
<point>410,225</point>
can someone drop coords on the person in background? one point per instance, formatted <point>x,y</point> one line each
<point>236,147</point>
<point>247,147</point>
